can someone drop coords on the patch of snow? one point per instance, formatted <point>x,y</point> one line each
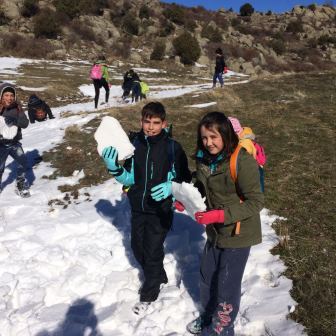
<point>68,269</point>
<point>26,88</point>
<point>202,105</point>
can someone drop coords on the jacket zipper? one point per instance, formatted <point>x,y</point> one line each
<point>145,188</point>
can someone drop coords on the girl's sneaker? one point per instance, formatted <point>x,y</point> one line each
<point>141,307</point>
<point>195,327</point>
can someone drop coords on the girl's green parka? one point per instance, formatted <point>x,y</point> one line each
<point>214,181</point>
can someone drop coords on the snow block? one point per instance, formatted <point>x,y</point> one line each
<point>189,196</point>
<point>111,133</point>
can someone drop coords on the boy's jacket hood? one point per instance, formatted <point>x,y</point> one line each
<point>4,86</point>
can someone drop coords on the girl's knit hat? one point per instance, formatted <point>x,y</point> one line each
<point>236,125</point>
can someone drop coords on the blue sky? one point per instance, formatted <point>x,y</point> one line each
<point>277,6</point>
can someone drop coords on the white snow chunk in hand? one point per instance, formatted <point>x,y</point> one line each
<point>7,132</point>
<point>189,196</point>
<point>110,133</point>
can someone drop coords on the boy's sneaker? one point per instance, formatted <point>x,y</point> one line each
<point>195,327</point>
<point>22,189</point>
<point>25,193</point>
<point>163,282</point>
<point>141,307</point>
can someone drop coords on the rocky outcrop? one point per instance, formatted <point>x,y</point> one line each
<point>251,44</point>
<point>11,8</point>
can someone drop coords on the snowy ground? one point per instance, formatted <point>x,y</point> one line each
<point>71,271</point>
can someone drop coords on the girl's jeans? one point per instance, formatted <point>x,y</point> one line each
<point>16,152</point>
<point>222,271</point>
<point>218,75</point>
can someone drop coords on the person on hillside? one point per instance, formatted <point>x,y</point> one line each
<point>232,223</point>
<point>12,119</point>
<point>157,161</point>
<point>38,109</point>
<point>100,79</point>
<point>130,84</point>
<point>220,68</point>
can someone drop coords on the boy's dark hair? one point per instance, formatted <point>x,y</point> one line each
<point>218,120</point>
<point>219,51</point>
<point>153,109</point>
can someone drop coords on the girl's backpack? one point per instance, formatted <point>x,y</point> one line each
<point>260,158</point>
<point>96,72</point>
<point>260,155</point>
<point>144,88</point>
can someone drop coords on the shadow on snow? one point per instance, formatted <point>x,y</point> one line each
<point>80,320</point>
<point>184,242</point>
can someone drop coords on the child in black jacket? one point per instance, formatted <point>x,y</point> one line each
<point>132,83</point>
<point>38,109</point>
<point>220,68</point>
<point>12,118</point>
<point>150,173</point>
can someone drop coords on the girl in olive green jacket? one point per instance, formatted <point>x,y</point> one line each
<point>232,223</point>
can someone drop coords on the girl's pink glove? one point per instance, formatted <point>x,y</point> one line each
<point>225,70</point>
<point>179,206</point>
<point>210,217</point>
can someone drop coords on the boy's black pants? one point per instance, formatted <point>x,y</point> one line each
<point>149,232</point>
<point>99,83</point>
<point>16,152</point>
<point>136,91</point>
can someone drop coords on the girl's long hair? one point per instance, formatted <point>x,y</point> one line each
<point>222,124</point>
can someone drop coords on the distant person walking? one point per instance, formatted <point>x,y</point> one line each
<point>12,119</point>
<point>100,78</point>
<point>220,68</point>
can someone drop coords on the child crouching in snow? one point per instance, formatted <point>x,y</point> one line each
<point>12,119</point>
<point>157,161</point>
<point>228,243</point>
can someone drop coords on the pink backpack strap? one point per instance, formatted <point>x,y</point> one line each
<point>260,155</point>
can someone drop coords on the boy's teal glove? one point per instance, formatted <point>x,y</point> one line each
<point>161,191</point>
<point>110,156</point>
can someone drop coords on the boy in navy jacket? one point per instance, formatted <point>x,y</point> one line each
<point>157,161</point>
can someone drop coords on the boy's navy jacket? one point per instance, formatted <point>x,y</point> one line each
<point>129,79</point>
<point>151,166</point>
<point>220,64</point>
<point>35,102</point>
<point>17,117</point>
